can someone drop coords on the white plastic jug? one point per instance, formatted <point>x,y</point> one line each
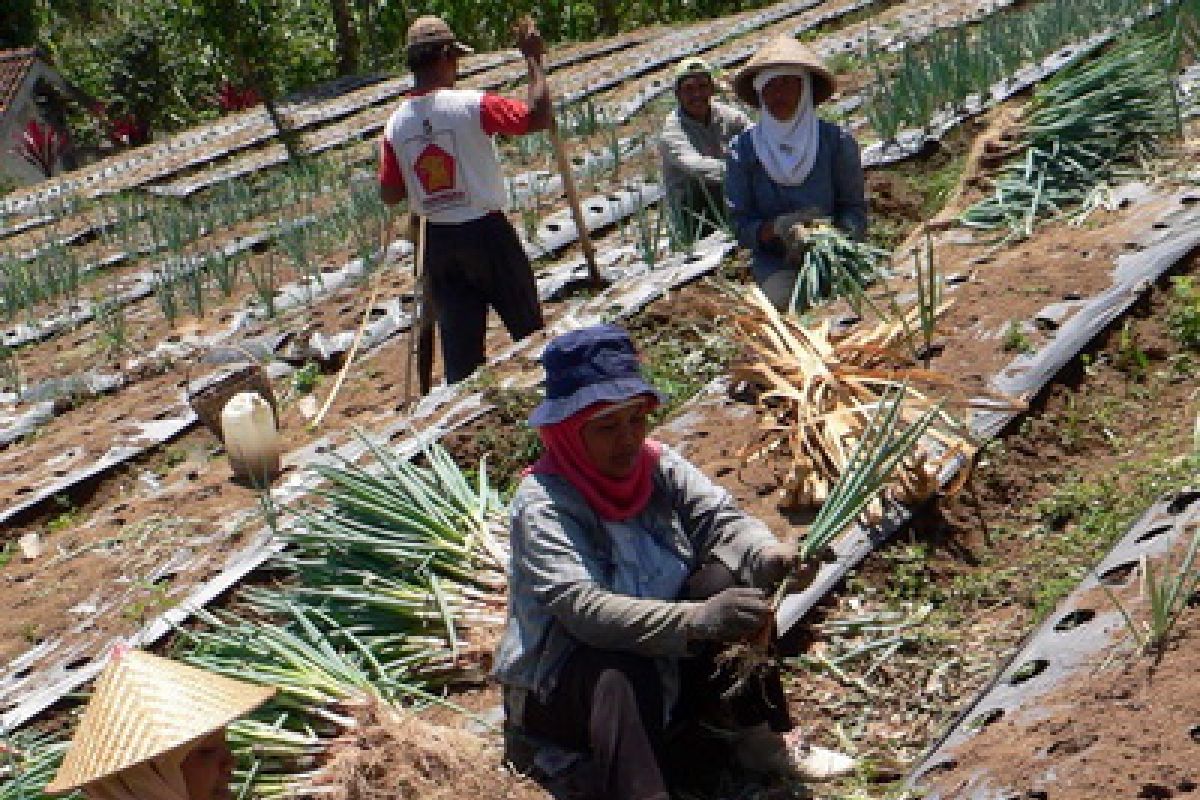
<point>251,440</point>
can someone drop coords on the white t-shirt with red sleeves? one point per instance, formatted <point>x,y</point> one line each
<point>437,148</point>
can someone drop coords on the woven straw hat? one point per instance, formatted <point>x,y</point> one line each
<point>784,51</point>
<point>145,706</point>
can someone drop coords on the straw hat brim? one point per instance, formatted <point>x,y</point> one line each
<point>145,706</point>
<point>784,51</point>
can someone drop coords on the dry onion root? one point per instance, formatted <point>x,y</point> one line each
<point>819,394</point>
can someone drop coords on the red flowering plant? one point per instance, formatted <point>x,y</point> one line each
<point>126,130</point>
<point>236,98</point>
<point>41,145</point>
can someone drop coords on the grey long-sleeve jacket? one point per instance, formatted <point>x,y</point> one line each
<point>564,571</point>
<point>693,152</point>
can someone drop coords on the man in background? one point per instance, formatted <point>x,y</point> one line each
<point>693,146</point>
<point>438,152</point>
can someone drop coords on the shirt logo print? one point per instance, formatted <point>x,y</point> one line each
<point>434,168</point>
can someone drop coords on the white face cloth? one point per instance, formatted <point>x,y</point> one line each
<point>787,148</point>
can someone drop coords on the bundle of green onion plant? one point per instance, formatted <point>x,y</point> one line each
<point>271,757</point>
<point>818,393</point>
<point>382,583</point>
<point>884,445</point>
<point>1080,130</point>
<point>27,763</point>
<point>834,265</point>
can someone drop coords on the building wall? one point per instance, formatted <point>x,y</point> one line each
<point>23,109</point>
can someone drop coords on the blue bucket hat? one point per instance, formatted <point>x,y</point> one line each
<point>586,366</point>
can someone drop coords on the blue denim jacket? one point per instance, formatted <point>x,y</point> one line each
<point>565,575</point>
<point>833,190</point>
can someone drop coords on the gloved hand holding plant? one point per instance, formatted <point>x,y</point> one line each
<point>778,562</point>
<point>798,237</point>
<point>732,615</point>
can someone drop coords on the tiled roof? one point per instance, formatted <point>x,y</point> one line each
<point>14,66</point>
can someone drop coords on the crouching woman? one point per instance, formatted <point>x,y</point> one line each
<point>792,171</point>
<point>630,571</point>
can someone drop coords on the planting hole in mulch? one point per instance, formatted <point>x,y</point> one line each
<point>987,718</point>
<point>1029,670</point>
<point>1153,533</point>
<point>1073,619</point>
<point>1072,745</point>
<point>1118,575</point>
<point>1182,501</point>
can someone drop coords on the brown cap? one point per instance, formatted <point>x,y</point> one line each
<point>434,30</point>
<point>784,51</point>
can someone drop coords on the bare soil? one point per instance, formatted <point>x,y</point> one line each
<point>968,579</point>
<point>1125,731</point>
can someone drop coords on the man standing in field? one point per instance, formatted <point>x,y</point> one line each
<point>437,151</point>
<point>693,146</point>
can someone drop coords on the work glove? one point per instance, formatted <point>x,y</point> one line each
<point>731,615</point>
<point>785,222</point>
<point>798,238</point>
<point>778,561</point>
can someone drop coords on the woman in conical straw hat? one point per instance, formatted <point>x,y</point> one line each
<point>154,729</point>
<point>791,171</point>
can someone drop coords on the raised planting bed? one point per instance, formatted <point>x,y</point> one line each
<point>901,22</point>
<point>1074,713</point>
<point>129,169</point>
<point>56,665</point>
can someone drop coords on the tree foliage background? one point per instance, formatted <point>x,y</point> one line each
<point>163,61</point>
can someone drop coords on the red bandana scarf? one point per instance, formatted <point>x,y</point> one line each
<point>614,499</point>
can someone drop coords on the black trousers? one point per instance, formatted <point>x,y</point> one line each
<point>610,703</point>
<point>471,266</point>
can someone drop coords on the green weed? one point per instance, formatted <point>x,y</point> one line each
<point>10,370</point>
<point>155,600</point>
<point>31,632</point>
<point>110,317</point>
<point>1016,340</point>
<point>1183,313</point>
<point>1130,358</point>
<point>68,517</point>
<point>680,359</point>
<point>305,379</point>
<point>934,186</point>
<point>174,456</point>
<point>1072,430</point>
<point>908,575</point>
<point>843,62</point>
